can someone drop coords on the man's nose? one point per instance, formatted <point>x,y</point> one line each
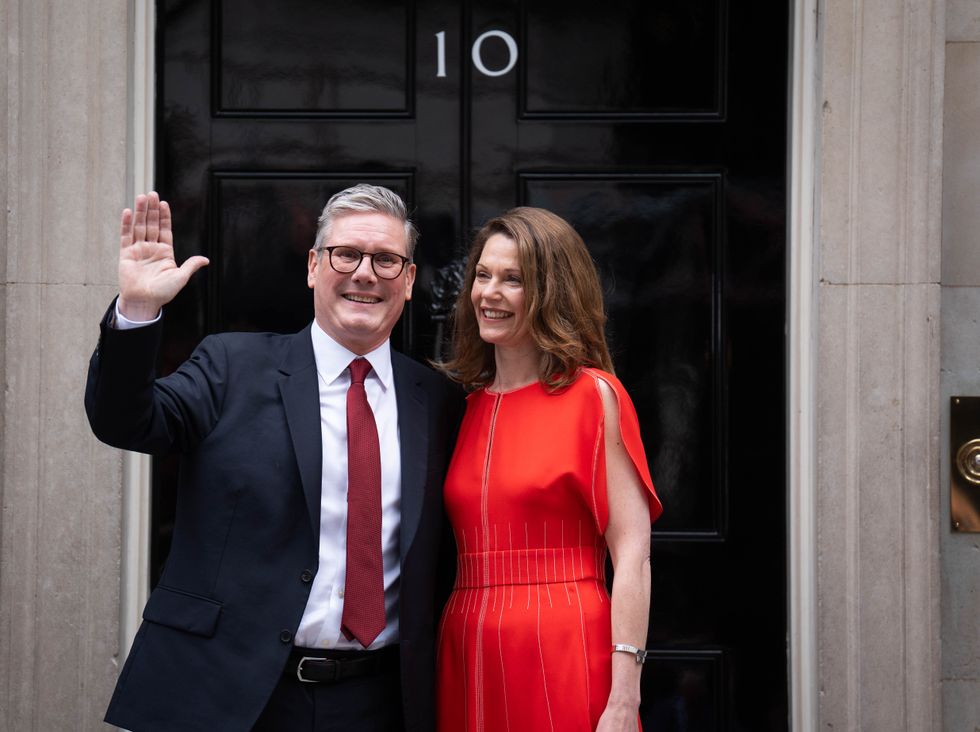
<point>365,269</point>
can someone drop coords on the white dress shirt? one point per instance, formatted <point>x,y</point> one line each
<point>123,323</point>
<point>320,626</point>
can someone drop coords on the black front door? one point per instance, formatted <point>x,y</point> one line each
<point>658,129</point>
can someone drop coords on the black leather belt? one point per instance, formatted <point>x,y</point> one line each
<point>313,666</point>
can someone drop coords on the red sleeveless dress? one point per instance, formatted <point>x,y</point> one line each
<point>524,642</point>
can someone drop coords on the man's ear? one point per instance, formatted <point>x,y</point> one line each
<point>311,265</point>
<point>409,280</point>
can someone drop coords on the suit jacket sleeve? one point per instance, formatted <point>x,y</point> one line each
<point>130,409</point>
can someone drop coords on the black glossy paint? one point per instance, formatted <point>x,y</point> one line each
<point>658,129</point>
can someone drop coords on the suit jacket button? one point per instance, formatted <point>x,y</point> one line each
<point>307,576</point>
<point>285,636</point>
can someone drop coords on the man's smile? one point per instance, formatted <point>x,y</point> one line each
<point>366,299</point>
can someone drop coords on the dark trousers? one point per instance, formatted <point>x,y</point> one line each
<point>364,704</point>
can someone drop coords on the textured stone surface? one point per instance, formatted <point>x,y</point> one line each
<point>60,540</point>
<point>963,24</point>
<point>59,581</point>
<point>877,364</point>
<point>67,140</point>
<point>880,142</point>
<point>877,507</point>
<point>65,112</point>
<point>962,702</point>
<point>961,166</point>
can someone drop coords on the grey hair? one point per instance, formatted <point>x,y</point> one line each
<point>364,198</point>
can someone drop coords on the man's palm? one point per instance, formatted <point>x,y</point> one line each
<point>149,277</point>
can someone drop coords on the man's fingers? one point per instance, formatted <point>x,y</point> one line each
<point>166,224</point>
<point>139,218</point>
<point>153,218</point>
<point>125,228</point>
<point>193,264</point>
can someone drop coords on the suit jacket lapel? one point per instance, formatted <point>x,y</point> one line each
<point>413,435</point>
<point>301,401</point>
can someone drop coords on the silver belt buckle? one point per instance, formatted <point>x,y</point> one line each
<point>299,669</point>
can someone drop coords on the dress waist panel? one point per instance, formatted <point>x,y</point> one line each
<point>530,566</point>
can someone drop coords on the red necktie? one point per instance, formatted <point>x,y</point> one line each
<point>364,594</point>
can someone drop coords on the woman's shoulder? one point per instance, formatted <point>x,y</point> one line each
<point>609,390</point>
<point>597,377</point>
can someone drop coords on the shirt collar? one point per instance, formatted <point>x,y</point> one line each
<point>332,359</point>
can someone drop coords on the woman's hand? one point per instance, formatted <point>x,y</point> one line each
<point>619,718</point>
<point>149,277</point>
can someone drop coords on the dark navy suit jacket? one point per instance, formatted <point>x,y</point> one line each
<point>243,412</point>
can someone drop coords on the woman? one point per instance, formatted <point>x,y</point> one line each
<point>548,473</point>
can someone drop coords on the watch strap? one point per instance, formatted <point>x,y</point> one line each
<point>639,654</point>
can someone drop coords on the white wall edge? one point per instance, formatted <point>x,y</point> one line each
<point>801,519</point>
<point>135,564</point>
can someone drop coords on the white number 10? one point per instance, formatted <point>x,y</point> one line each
<point>475,54</point>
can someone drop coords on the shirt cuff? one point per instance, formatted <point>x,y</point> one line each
<point>121,322</point>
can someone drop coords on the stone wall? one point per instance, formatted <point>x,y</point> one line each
<point>960,355</point>
<point>64,99</point>
<point>877,337</point>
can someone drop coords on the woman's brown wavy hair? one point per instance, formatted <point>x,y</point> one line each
<point>565,313</point>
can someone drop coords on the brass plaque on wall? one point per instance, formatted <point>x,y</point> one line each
<point>964,458</point>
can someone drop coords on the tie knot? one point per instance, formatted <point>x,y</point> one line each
<point>359,369</point>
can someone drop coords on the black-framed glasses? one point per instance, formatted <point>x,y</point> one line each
<point>386,265</point>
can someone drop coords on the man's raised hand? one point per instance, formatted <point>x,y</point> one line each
<point>149,277</point>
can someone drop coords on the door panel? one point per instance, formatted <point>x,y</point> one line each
<point>585,60</point>
<point>356,61</point>
<point>657,129</point>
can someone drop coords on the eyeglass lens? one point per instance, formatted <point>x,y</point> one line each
<point>345,260</point>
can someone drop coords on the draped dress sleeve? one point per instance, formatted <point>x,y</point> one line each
<point>629,428</point>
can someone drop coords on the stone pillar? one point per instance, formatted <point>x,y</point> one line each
<point>64,165</point>
<point>960,354</point>
<point>878,202</point>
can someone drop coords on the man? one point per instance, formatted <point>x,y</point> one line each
<point>299,593</point>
